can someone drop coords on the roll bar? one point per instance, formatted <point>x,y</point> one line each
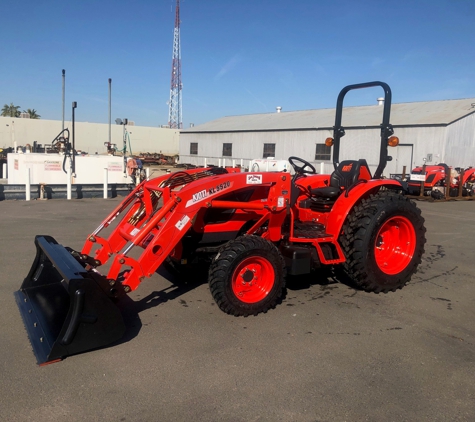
<point>386,128</point>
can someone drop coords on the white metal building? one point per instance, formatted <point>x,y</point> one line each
<point>89,137</point>
<point>434,131</point>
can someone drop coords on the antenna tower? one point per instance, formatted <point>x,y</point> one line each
<point>175,119</point>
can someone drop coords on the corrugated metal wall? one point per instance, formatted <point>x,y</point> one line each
<point>250,145</point>
<point>426,142</point>
<point>418,143</point>
<point>460,146</point>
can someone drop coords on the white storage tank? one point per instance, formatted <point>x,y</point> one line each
<point>270,164</point>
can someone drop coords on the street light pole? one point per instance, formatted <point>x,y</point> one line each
<point>64,80</point>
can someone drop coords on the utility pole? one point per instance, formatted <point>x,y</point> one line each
<point>110,108</point>
<point>64,88</point>
<point>175,119</point>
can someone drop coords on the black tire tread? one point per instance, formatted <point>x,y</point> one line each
<point>223,265</point>
<point>356,231</point>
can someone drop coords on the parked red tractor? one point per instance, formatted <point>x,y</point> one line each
<point>434,179</point>
<point>250,229</point>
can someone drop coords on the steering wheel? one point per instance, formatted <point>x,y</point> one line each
<point>302,169</point>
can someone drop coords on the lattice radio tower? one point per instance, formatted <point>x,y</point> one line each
<point>175,119</point>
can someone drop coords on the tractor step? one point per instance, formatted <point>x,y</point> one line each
<point>309,230</point>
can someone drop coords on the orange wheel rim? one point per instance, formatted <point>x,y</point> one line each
<point>253,279</point>
<point>395,245</point>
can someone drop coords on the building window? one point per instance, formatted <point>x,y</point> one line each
<point>323,152</point>
<point>227,150</point>
<point>193,148</point>
<point>269,150</point>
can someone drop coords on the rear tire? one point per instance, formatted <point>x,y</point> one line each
<point>247,276</point>
<point>383,240</point>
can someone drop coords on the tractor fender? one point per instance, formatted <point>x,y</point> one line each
<point>468,175</point>
<point>345,203</point>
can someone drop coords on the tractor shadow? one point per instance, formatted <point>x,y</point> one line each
<point>322,277</point>
<point>326,279</point>
<point>131,308</point>
<point>181,285</point>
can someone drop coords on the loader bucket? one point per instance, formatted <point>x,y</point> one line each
<point>65,308</point>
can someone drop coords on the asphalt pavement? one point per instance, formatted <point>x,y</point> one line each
<point>327,353</point>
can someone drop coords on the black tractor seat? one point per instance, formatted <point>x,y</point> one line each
<point>329,192</point>
<point>346,175</point>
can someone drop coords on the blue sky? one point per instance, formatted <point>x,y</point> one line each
<point>238,57</point>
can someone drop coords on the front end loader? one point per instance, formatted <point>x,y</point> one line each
<point>249,230</point>
<point>65,308</point>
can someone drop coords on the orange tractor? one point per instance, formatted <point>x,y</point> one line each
<point>433,181</point>
<point>249,229</point>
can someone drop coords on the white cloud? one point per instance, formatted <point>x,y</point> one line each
<point>231,64</point>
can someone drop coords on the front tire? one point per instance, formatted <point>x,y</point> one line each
<point>247,276</point>
<point>383,240</point>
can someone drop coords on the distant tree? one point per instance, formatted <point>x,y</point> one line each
<point>10,110</point>
<point>32,112</point>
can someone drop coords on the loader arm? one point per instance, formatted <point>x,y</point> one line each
<point>166,208</point>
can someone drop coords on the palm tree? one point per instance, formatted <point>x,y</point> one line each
<point>32,112</point>
<point>10,110</point>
